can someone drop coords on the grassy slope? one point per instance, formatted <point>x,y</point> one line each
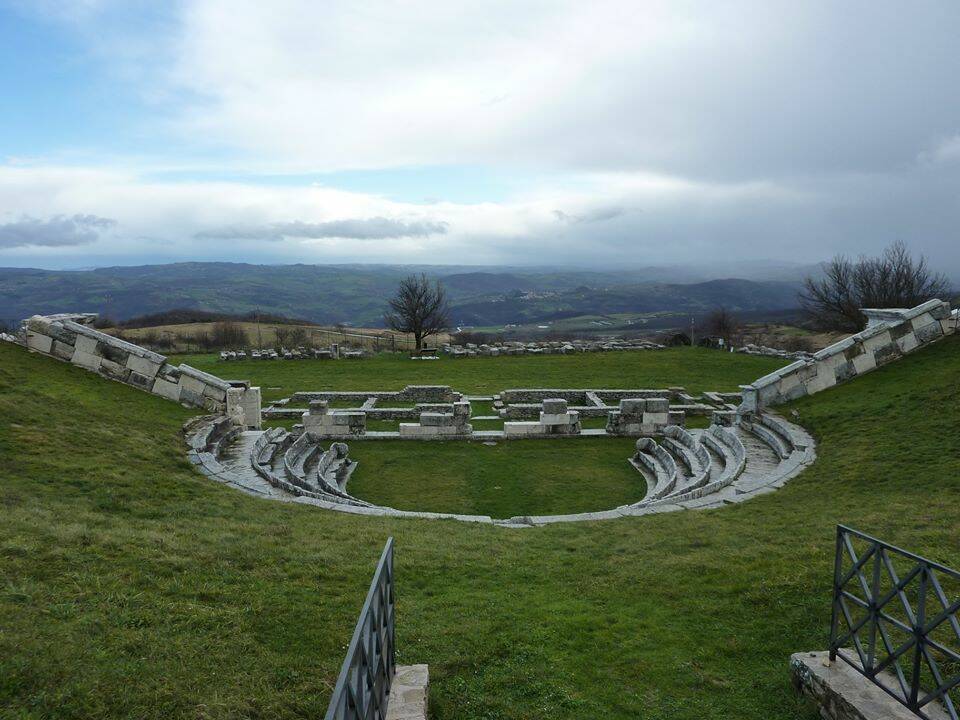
<point>696,369</point>
<point>133,587</point>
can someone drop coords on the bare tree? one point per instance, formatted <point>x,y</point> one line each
<point>228,334</point>
<point>419,308</point>
<point>895,279</point>
<point>722,323</point>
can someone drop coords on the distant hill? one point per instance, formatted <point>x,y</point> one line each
<point>357,294</point>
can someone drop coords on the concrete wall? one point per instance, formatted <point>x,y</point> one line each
<point>890,335</point>
<point>70,338</point>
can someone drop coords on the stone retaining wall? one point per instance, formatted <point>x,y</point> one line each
<point>70,338</point>
<point>898,333</point>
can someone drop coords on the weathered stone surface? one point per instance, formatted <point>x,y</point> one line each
<point>143,366</point>
<point>554,406</point>
<point>86,360</point>
<point>409,693</point>
<point>39,342</point>
<point>842,693</point>
<point>166,389</point>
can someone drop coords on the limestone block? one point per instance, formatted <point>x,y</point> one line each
<point>908,342</point>
<point>656,418</point>
<point>251,403</point>
<point>143,366</point>
<point>192,385</point>
<point>436,419</point>
<point>864,362</point>
<point>657,405</point>
<point>190,397</point>
<point>417,430</point>
<point>62,350</point>
<point>166,389</point>
<point>633,406</point>
<point>86,360</point>
<point>39,342</point>
<point>566,418</point>
<point>877,341</point>
<point>218,394</point>
<point>212,405</point>
<point>677,417</point>
<point>788,382</point>
<point>554,406</point>
<point>114,370</point>
<point>519,429</point>
<point>844,372</point>
<point>462,409</point>
<point>87,345</point>
<point>928,333</point>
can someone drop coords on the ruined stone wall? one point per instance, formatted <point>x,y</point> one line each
<point>898,332</point>
<point>71,339</point>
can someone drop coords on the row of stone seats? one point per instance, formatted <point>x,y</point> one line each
<point>729,447</point>
<point>660,463</point>
<point>277,442</point>
<point>775,433</point>
<point>691,454</point>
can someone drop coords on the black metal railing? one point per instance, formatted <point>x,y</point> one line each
<point>363,686</point>
<point>890,606</point>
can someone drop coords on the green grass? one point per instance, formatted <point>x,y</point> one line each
<point>132,586</point>
<point>532,477</point>
<point>696,369</point>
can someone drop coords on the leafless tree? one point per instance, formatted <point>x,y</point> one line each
<point>419,308</point>
<point>228,334</point>
<point>894,279</point>
<point>722,323</point>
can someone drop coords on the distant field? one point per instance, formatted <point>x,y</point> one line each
<point>265,335</point>
<point>696,369</point>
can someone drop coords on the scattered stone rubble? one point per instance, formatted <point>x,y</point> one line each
<point>334,352</point>
<point>546,348</point>
<point>751,349</point>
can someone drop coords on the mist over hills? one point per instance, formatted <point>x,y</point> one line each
<point>357,294</point>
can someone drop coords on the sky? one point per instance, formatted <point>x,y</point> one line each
<point>601,134</point>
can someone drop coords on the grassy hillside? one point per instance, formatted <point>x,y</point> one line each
<point>697,369</point>
<point>134,587</point>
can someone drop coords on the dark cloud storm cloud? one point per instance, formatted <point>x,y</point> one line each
<point>55,231</point>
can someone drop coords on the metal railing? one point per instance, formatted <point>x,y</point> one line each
<point>363,686</point>
<point>880,608</point>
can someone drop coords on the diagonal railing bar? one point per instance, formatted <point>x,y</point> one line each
<point>362,691</point>
<point>924,656</point>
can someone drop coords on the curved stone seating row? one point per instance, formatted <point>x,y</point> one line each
<point>659,463</point>
<point>685,469</point>
<point>680,443</point>
<point>729,447</point>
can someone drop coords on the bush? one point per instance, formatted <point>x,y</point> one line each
<point>227,334</point>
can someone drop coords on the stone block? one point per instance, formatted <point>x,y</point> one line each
<point>143,366</point>
<point>928,333</point>
<point>141,381</point>
<point>865,362</point>
<point>633,406</point>
<point>519,429</point>
<point>191,385</point>
<point>166,389</point>
<point>566,418</point>
<point>657,405</point>
<point>218,394</point>
<point>87,345</point>
<point>554,406</point>
<point>908,342</point>
<point>319,407</point>
<point>86,360</point>
<point>656,418</point>
<point>436,419</point>
<point>39,342</point>
<point>190,397</point>
<point>62,350</point>
<point>114,370</point>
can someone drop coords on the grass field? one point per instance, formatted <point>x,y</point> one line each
<point>696,369</point>
<point>135,587</point>
<point>535,477</point>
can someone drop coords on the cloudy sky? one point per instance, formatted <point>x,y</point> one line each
<point>602,134</point>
